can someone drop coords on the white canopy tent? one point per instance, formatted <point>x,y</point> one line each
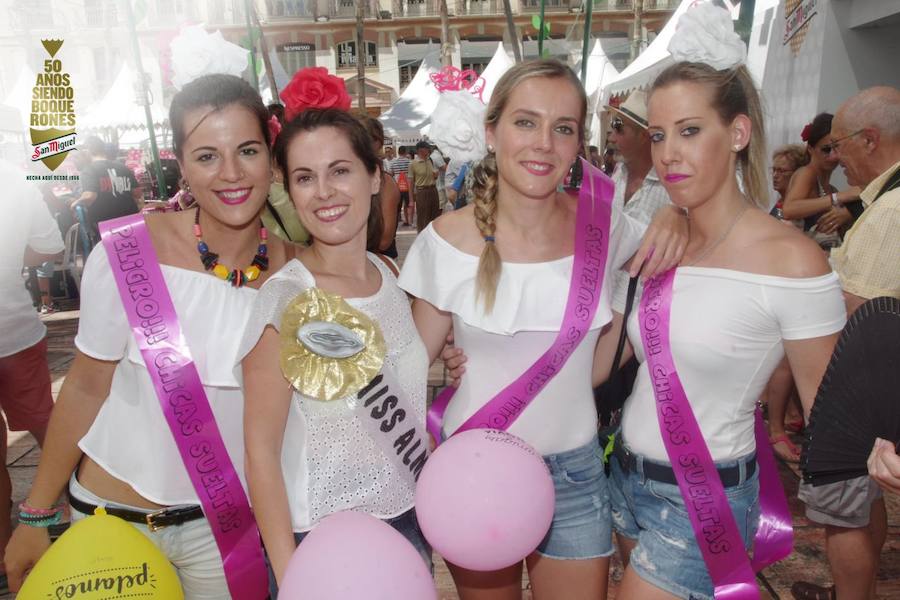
<point>650,62</point>
<point>19,96</point>
<point>403,119</point>
<point>280,75</point>
<point>600,71</point>
<point>500,64</point>
<point>119,108</point>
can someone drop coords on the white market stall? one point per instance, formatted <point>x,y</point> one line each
<point>119,110</point>
<point>600,71</point>
<point>19,96</point>
<point>649,63</point>
<point>500,64</point>
<point>403,120</point>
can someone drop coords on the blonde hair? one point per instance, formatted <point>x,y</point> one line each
<point>484,173</point>
<point>796,153</point>
<point>733,94</point>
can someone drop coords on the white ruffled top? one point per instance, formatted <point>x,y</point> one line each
<point>130,438</point>
<point>527,316</point>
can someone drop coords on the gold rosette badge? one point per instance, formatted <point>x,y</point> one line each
<point>329,350</point>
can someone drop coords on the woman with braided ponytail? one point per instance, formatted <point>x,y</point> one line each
<point>498,271</point>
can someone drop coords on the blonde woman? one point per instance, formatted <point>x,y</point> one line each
<point>498,270</point>
<point>747,292</point>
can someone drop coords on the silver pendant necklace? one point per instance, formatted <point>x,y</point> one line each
<point>721,239</point>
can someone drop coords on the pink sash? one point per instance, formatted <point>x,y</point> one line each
<point>154,323</point>
<point>701,488</point>
<point>592,228</point>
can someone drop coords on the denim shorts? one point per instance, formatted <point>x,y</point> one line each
<point>582,525</point>
<point>405,524</point>
<point>654,515</point>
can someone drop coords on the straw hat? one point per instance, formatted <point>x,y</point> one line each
<point>634,108</point>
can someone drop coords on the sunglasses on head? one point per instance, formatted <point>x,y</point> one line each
<point>617,124</point>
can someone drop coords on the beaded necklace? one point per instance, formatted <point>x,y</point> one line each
<point>236,277</point>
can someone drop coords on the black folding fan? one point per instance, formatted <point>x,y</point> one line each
<point>859,398</point>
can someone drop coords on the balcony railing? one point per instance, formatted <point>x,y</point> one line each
<point>417,8</point>
<point>550,6</point>
<point>477,7</point>
<point>346,9</point>
<point>292,9</point>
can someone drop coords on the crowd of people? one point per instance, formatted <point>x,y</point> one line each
<point>289,221</point>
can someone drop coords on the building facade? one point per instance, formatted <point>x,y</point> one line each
<point>300,33</point>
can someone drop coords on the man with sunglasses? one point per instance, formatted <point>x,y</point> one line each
<point>865,134</point>
<point>639,193</point>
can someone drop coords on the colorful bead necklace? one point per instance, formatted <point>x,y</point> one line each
<point>236,277</point>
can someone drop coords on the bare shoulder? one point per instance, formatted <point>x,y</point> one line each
<point>803,181</point>
<point>783,250</point>
<point>458,228</point>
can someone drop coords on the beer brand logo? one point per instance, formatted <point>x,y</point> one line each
<point>797,15</point>
<point>52,124</point>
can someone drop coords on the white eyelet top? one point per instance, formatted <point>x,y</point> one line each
<point>329,461</point>
<point>503,344</point>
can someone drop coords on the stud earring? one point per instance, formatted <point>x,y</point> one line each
<point>490,149</point>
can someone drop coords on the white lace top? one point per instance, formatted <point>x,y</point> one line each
<point>526,318</point>
<point>329,461</point>
<point>130,438</point>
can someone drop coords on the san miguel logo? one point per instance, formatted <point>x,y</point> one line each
<point>52,125</point>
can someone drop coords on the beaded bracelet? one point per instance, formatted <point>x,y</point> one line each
<point>40,517</point>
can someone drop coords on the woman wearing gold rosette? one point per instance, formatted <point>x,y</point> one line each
<point>332,357</point>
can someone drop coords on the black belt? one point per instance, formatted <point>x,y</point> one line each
<point>154,520</point>
<point>730,476</point>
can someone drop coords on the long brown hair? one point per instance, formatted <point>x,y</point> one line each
<point>485,174</point>
<point>733,94</point>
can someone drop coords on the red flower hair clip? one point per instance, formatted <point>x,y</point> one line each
<point>314,87</point>
<point>804,135</point>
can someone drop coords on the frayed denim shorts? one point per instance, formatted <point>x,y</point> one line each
<point>582,525</point>
<point>654,515</point>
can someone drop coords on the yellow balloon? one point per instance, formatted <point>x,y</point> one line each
<point>102,557</point>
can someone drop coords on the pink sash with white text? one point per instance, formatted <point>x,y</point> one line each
<point>154,323</point>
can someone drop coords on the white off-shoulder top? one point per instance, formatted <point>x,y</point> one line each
<point>527,316</point>
<point>130,438</point>
<point>727,332</point>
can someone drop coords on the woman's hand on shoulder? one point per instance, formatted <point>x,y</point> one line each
<point>663,244</point>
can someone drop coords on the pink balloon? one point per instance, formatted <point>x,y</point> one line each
<point>485,499</point>
<point>354,556</point>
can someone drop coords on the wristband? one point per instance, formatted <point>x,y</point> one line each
<point>40,517</point>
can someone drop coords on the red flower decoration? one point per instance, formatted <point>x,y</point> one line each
<point>314,87</point>
<point>804,135</point>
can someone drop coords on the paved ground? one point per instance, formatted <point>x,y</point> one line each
<point>806,562</point>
